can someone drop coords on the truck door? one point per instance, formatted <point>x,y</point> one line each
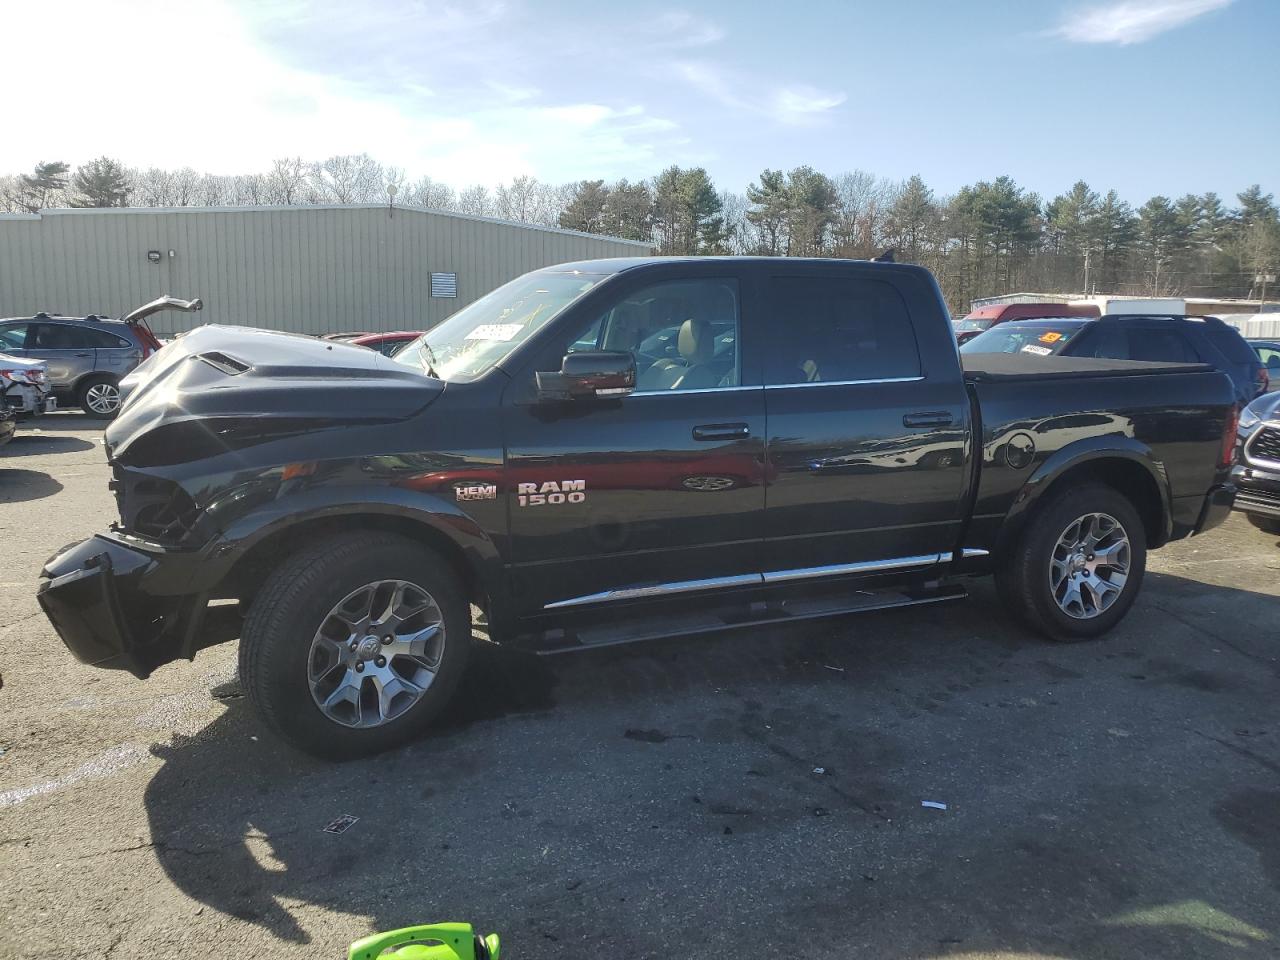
<point>660,491</point>
<point>867,443</point>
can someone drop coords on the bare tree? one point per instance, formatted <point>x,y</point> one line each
<point>152,187</point>
<point>425,192</point>
<point>287,181</point>
<point>349,178</point>
<point>475,201</point>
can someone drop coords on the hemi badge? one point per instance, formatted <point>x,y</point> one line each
<point>477,491</point>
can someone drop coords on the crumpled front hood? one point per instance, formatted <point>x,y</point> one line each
<point>225,388</point>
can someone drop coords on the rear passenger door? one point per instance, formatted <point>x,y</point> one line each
<point>866,452</point>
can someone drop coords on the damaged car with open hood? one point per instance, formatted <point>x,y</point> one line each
<point>618,450</point>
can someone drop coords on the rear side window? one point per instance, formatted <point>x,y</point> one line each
<point>1232,345</point>
<point>1164,345</point>
<point>104,339</point>
<point>829,330</point>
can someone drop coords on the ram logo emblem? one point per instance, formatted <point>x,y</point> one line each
<point>551,493</point>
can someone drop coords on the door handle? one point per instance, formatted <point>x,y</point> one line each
<point>84,354</point>
<point>721,431</point>
<point>934,418</point>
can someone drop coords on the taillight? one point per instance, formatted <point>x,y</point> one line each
<point>1264,381</point>
<point>1229,438</point>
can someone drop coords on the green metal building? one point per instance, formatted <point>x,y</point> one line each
<point>307,269</point>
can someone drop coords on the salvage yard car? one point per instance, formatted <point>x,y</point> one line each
<point>1164,337</point>
<point>616,450</point>
<point>88,356</point>
<point>1257,470</point>
<point>24,387</point>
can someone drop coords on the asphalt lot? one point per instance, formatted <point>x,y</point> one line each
<point>1118,798</point>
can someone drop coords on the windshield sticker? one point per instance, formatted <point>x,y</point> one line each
<point>495,331</point>
<point>1053,336</point>
<point>1038,351</point>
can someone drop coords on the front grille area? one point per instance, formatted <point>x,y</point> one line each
<point>1258,501</point>
<point>1264,445</point>
<point>152,508</point>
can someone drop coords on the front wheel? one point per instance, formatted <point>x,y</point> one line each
<point>1078,565</point>
<point>355,644</point>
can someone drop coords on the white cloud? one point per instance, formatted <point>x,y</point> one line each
<point>680,28</point>
<point>1133,21</point>
<point>795,104</point>
<point>227,102</point>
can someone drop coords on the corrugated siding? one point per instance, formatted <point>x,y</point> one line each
<point>304,269</point>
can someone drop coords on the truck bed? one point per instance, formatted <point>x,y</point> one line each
<point>986,367</point>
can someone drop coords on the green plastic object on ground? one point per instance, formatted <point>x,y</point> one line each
<point>434,941</point>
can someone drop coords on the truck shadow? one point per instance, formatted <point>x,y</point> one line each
<point>612,796</point>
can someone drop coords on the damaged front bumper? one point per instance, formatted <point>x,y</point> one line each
<point>124,607</point>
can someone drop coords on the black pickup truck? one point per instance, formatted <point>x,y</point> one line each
<point>616,450</point>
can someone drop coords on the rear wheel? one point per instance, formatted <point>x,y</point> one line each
<point>100,397</point>
<point>355,644</point>
<point>1078,565</point>
<point>1266,524</point>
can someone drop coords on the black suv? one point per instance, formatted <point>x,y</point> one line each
<point>1166,338</point>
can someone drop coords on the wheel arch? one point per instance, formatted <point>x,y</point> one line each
<point>1127,466</point>
<point>258,544</point>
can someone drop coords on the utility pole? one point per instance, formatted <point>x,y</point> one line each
<point>1087,252</point>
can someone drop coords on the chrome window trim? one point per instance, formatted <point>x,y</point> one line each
<point>840,383</point>
<point>685,393</point>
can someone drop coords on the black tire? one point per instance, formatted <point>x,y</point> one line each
<point>90,392</point>
<point>292,605</point>
<point>1265,524</point>
<point>1022,577</point>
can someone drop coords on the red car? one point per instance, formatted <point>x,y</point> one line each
<point>387,343</point>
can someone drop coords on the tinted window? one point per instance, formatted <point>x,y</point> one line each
<point>825,330</point>
<point>13,336</point>
<point>104,339</point>
<point>1160,344</point>
<point>1229,341</point>
<point>60,336</point>
<point>683,334</point>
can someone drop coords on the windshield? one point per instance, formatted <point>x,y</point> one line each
<point>967,325</point>
<point>476,338</point>
<point>1042,337</point>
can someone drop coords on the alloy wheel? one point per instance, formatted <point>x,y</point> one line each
<point>103,398</point>
<point>1089,566</point>
<point>376,653</point>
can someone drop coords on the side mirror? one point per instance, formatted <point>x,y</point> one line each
<point>589,373</point>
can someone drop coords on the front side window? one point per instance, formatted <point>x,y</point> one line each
<point>481,335</point>
<point>682,333</point>
<point>833,330</point>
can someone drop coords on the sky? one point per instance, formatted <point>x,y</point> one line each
<point>1146,96</point>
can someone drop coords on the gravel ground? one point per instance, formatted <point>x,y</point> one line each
<point>1118,798</point>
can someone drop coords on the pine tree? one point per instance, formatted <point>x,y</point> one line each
<point>100,183</point>
<point>585,210</point>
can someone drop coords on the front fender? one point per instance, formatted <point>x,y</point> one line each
<point>1078,453</point>
<point>307,506</point>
